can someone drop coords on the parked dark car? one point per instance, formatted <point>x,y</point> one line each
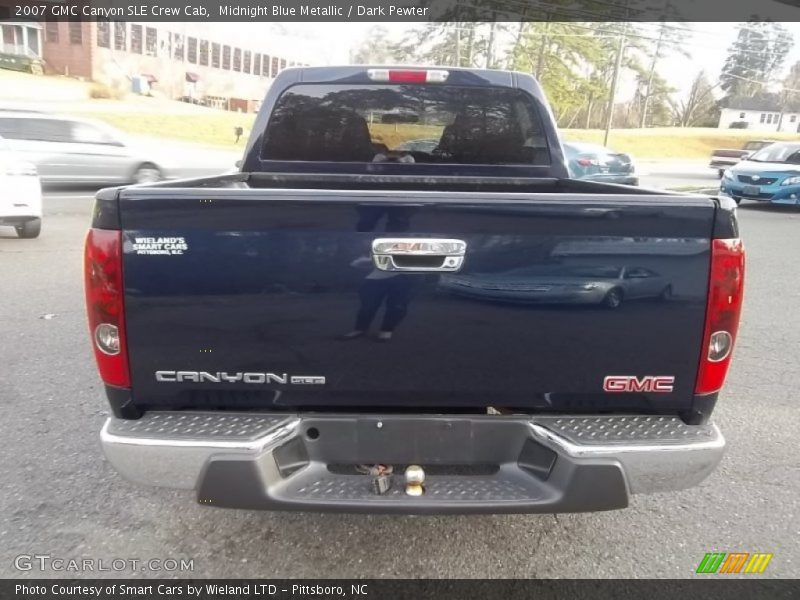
<point>278,338</point>
<point>598,163</point>
<point>724,158</point>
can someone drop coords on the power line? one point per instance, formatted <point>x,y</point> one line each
<point>604,35</point>
<point>764,83</point>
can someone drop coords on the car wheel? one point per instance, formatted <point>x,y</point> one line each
<point>147,173</point>
<point>666,293</point>
<point>29,229</point>
<point>613,298</point>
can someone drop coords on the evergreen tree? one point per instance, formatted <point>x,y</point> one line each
<point>754,58</point>
<point>565,58</point>
<point>791,89</point>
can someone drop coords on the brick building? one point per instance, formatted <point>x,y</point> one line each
<point>227,66</point>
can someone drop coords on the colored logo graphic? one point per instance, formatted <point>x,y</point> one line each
<point>734,562</point>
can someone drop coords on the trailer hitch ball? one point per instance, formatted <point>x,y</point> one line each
<point>415,480</point>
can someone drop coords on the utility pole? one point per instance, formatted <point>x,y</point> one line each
<point>471,45</point>
<point>490,45</point>
<point>782,98</point>
<point>614,78</point>
<point>643,121</point>
<point>458,44</point>
<point>542,47</point>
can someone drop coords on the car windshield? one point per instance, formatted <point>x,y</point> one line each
<point>753,146</point>
<point>778,153</point>
<point>406,124</point>
<point>94,133</point>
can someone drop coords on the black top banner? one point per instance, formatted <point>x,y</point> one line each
<point>402,10</point>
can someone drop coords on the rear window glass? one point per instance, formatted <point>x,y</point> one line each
<point>406,124</point>
<point>86,133</point>
<point>33,129</point>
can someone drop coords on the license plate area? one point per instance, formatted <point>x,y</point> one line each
<point>751,190</point>
<point>455,440</point>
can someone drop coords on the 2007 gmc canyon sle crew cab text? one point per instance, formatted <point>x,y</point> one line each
<point>403,278</point>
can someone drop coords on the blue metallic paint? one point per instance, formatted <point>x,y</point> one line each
<point>272,278</point>
<point>276,268</point>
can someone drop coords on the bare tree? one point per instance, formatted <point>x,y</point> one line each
<point>375,48</point>
<point>699,108</point>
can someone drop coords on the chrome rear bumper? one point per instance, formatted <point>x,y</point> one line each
<point>541,464</point>
<point>658,454</point>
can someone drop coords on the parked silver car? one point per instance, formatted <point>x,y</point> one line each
<point>73,150</point>
<point>561,284</point>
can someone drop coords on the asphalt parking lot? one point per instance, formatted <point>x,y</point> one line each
<point>61,498</point>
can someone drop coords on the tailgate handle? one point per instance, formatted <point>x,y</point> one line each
<point>422,255</point>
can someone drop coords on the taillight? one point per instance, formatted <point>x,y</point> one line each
<point>408,76</point>
<point>104,304</point>
<point>724,306</point>
<point>587,162</point>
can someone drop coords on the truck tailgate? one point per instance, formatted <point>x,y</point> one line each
<point>241,298</point>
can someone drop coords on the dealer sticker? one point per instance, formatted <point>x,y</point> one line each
<point>159,245</point>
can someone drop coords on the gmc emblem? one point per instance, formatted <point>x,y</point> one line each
<point>631,383</point>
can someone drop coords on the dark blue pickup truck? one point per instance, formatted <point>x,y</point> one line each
<point>401,303</point>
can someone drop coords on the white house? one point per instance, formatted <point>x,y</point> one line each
<point>759,114</point>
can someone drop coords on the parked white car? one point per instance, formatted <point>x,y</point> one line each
<point>20,193</point>
<point>69,150</point>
